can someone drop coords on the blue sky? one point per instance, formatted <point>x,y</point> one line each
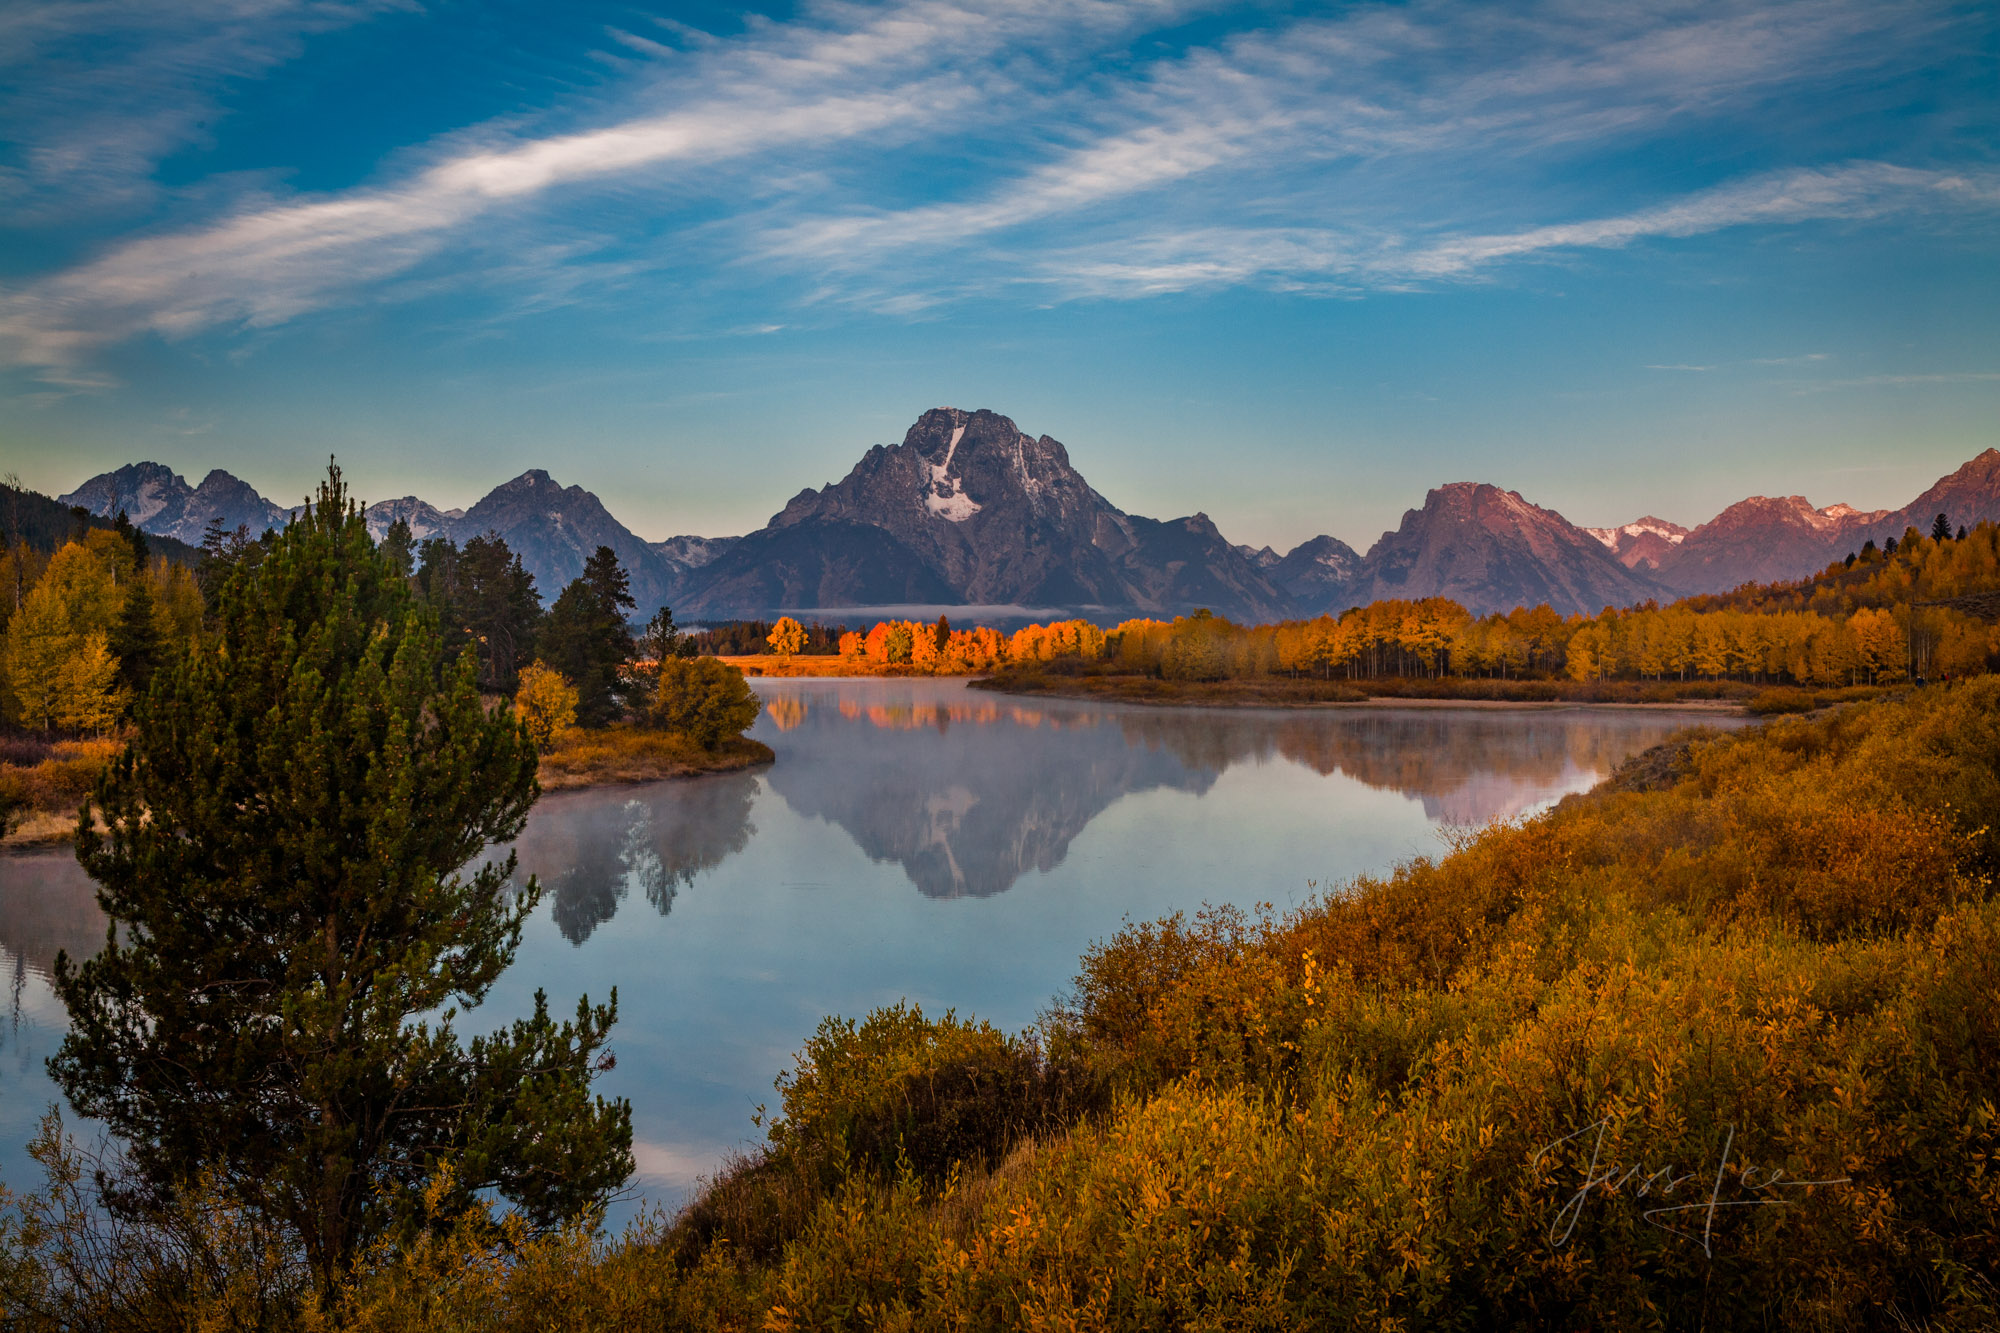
<point>1287,264</point>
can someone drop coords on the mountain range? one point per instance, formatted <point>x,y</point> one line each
<point>972,515</point>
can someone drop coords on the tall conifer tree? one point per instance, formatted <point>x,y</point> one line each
<point>284,874</point>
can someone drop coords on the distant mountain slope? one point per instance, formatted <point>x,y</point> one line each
<point>157,500</point>
<point>45,523</point>
<point>1492,551</point>
<point>1317,574</point>
<point>425,520</point>
<point>1767,539</point>
<point>968,509</point>
<point>1969,495</point>
<point>1760,540</point>
<point>1642,543</point>
<point>554,529</point>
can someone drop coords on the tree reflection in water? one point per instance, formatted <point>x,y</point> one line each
<point>591,848</point>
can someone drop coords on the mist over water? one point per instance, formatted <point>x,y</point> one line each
<point>914,840</point>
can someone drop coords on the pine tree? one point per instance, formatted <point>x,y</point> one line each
<point>1941,529</point>
<point>134,538</point>
<point>135,639</point>
<point>586,639</point>
<point>284,875</point>
<point>399,548</point>
<point>497,597</point>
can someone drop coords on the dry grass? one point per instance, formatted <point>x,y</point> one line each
<point>591,758</point>
<point>48,781</point>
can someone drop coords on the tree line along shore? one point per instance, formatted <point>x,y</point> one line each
<point>1912,610</point>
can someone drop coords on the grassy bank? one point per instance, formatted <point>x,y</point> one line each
<point>1079,680</point>
<point>42,783</point>
<point>1575,1074</point>
<point>603,756</point>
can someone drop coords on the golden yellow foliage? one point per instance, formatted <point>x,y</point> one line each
<point>546,704</point>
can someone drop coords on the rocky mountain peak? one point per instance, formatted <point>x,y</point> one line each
<point>1491,550</point>
<point>159,500</point>
<point>971,509</point>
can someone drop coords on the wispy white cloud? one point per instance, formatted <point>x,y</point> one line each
<point>94,93</point>
<point>1677,367</point>
<point>1348,260</point>
<point>1327,155</point>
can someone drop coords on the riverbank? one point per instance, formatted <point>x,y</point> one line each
<point>1731,697</point>
<point>619,755</point>
<point>41,785</point>
<point>791,668</point>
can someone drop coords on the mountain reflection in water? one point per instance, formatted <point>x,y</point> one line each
<point>968,792</point>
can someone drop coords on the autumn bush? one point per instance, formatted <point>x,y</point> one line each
<point>702,698</point>
<point>546,705</point>
<point>1714,1046</point>
<point>55,778</point>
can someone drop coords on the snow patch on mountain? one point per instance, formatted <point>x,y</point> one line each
<point>1672,533</point>
<point>944,495</point>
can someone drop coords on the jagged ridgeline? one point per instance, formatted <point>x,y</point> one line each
<point>972,514</point>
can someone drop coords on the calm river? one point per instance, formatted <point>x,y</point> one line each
<point>914,839</point>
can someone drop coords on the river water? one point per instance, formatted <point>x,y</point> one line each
<point>914,839</point>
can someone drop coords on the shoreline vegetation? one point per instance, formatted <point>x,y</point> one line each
<point>620,755</point>
<point>1468,1091</point>
<point>1106,684</point>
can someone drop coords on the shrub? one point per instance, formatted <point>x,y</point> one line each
<point>1783,699</point>
<point>546,705</point>
<point>903,1091</point>
<point>703,698</point>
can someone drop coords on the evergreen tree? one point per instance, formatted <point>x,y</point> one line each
<point>662,638</point>
<point>586,639</point>
<point>437,585</point>
<point>399,548</point>
<point>484,597</point>
<point>501,609</point>
<point>283,874</point>
<point>221,552</point>
<point>135,639</point>
<point>1941,529</point>
<point>135,539</point>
